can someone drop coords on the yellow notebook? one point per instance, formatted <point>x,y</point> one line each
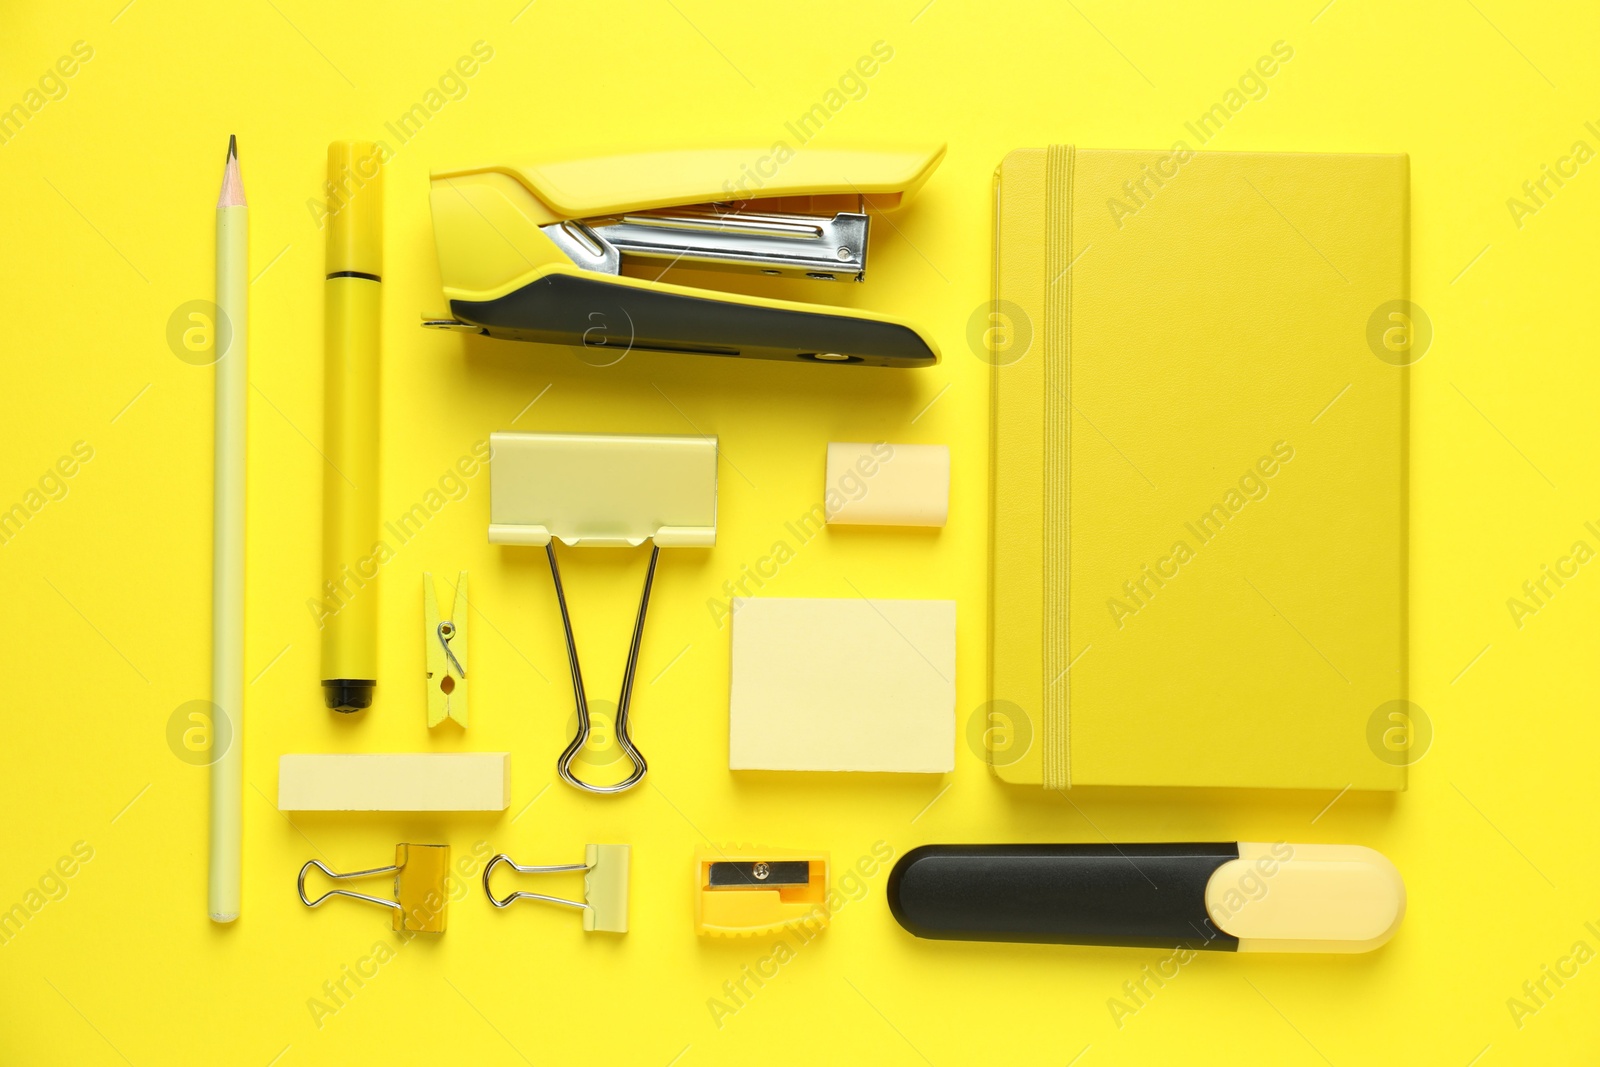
<point>1199,469</point>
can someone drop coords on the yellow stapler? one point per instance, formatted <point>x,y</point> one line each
<point>572,252</point>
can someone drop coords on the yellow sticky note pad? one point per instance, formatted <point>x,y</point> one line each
<point>843,685</point>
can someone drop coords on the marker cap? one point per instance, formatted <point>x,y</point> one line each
<point>355,208</point>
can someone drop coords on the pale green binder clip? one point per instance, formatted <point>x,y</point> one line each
<point>602,490</point>
<point>605,886</point>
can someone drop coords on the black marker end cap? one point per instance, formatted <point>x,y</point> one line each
<point>348,694</point>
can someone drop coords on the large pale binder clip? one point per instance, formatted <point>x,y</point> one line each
<point>420,891</point>
<point>608,491</point>
<point>605,886</point>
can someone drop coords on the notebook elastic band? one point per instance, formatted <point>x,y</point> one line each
<point>1056,734</point>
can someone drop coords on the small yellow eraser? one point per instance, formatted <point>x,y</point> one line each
<point>887,485</point>
<point>397,781</point>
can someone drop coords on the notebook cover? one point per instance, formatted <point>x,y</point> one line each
<point>1199,468</point>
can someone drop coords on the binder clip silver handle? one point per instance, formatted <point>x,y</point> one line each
<point>522,894</point>
<point>300,885</point>
<point>606,872</point>
<point>581,738</point>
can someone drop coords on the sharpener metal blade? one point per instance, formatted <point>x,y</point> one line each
<point>759,874</point>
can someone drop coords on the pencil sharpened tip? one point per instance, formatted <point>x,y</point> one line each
<point>232,187</point>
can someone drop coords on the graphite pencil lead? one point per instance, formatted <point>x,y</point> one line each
<point>233,147</point>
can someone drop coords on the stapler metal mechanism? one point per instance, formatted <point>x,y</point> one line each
<point>573,252</point>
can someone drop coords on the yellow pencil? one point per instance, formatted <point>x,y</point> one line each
<point>231,332</point>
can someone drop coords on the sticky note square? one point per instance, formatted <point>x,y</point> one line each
<point>846,684</point>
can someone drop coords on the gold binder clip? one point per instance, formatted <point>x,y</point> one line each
<point>420,893</point>
<point>605,886</point>
<point>446,648</point>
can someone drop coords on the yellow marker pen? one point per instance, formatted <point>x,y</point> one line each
<point>351,334</point>
<point>1228,896</point>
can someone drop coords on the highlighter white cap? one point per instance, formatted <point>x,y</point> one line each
<point>1306,898</point>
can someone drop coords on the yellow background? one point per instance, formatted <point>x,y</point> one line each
<point>109,193</point>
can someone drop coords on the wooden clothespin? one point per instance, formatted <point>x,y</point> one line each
<point>446,649</point>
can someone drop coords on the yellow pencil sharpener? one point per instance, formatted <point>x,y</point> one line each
<point>744,892</point>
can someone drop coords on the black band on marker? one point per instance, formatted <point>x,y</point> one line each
<point>354,274</point>
<point>348,694</point>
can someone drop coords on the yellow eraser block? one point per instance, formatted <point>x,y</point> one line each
<point>843,685</point>
<point>887,485</point>
<point>398,781</point>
